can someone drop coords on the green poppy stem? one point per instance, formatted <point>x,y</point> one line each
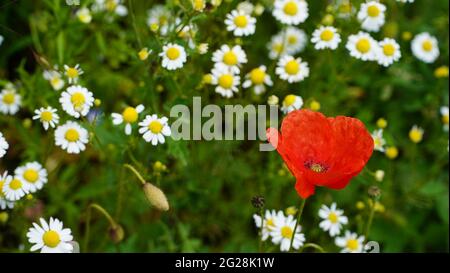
<point>300,212</point>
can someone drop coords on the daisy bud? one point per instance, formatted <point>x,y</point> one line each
<point>29,196</point>
<point>156,197</point>
<point>159,88</point>
<point>27,123</point>
<point>391,152</point>
<point>198,5</point>
<point>207,79</point>
<point>3,217</point>
<point>258,202</point>
<point>291,211</point>
<point>314,105</point>
<point>273,100</point>
<point>379,175</point>
<point>328,20</point>
<point>202,48</point>
<point>441,72</point>
<point>259,9</point>
<point>374,192</point>
<point>391,30</point>
<point>416,134</point>
<point>97,102</point>
<point>382,123</point>
<point>406,35</point>
<point>216,3</point>
<point>154,27</point>
<point>143,54</point>
<point>116,233</point>
<point>159,167</point>
<point>360,205</point>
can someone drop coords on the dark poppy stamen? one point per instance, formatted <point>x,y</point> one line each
<point>316,167</point>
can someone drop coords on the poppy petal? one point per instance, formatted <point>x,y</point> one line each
<point>304,189</point>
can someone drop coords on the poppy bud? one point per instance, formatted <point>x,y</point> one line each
<point>258,201</point>
<point>116,233</point>
<point>156,197</point>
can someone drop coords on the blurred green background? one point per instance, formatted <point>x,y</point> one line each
<point>209,185</point>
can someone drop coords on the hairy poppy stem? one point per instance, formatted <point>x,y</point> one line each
<point>133,170</point>
<point>300,212</point>
<point>369,221</point>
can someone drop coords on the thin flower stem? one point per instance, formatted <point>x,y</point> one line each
<point>133,170</point>
<point>312,245</point>
<point>370,220</point>
<point>261,214</point>
<point>88,222</point>
<point>300,212</point>
<point>133,19</point>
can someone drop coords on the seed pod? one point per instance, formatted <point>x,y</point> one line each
<point>116,233</point>
<point>156,197</point>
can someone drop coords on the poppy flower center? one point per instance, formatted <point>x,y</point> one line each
<point>316,167</point>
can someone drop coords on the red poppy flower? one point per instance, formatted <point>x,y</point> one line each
<point>321,151</point>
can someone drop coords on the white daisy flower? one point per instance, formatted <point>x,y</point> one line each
<point>326,37</point>
<point>258,78</point>
<point>240,23</point>
<point>389,52</point>
<point>350,242</point>
<point>444,113</point>
<point>277,46</point>
<point>378,140</point>
<point>33,175</point>
<point>73,73</point>
<point>230,57</point>
<point>154,129</point>
<point>114,6</point>
<point>225,80</point>
<point>14,188</point>
<point>371,15</point>
<point>50,237</point>
<point>292,69</point>
<point>10,101</point>
<point>290,12</point>
<point>55,79</point>
<point>362,46</point>
<point>295,40</point>
<point>3,145</point>
<point>173,56</point>
<point>129,116</point>
<point>159,16</point>
<point>76,101</point>
<point>425,47</point>
<point>47,116</point>
<point>1,40</point>
<point>283,232</point>
<point>246,6</point>
<point>4,203</point>
<point>291,103</point>
<point>333,219</point>
<point>268,223</point>
<point>84,15</point>
<point>71,137</point>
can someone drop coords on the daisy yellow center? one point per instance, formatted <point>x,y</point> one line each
<point>286,232</point>
<point>77,99</point>
<point>155,127</point>
<point>345,8</point>
<point>226,81</point>
<point>31,175</point>
<point>352,244</point>
<point>333,217</point>
<point>72,72</point>
<point>326,35</point>
<point>15,184</point>
<point>173,53</point>
<point>51,238</point>
<point>55,81</point>
<point>289,100</point>
<point>270,222</point>
<point>445,119</point>
<point>46,116</point>
<point>363,45</point>
<point>373,11</point>
<point>130,115</point>
<point>241,21</point>
<point>230,58</point>
<point>292,67</point>
<point>427,45</point>
<point>162,20</point>
<point>292,40</point>
<point>415,135</point>
<point>290,8</point>
<point>257,76</point>
<point>377,141</point>
<point>1,187</point>
<point>388,49</point>
<point>278,47</point>
<point>72,135</point>
<point>9,98</point>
